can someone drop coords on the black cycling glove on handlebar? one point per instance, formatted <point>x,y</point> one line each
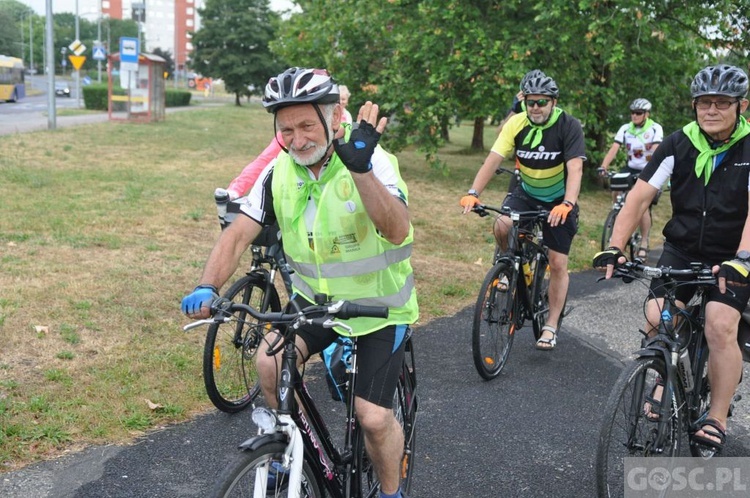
<point>357,152</point>
<point>610,256</point>
<point>735,271</point>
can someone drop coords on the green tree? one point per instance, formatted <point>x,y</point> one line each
<point>167,56</point>
<point>232,44</point>
<point>12,15</point>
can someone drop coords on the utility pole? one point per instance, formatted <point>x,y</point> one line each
<point>78,71</point>
<point>31,43</point>
<point>50,51</point>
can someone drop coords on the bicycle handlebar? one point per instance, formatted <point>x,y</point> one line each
<point>698,271</point>
<point>222,309</point>
<point>481,210</point>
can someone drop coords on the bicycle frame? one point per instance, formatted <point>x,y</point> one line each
<point>680,329</point>
<point>523,249</point>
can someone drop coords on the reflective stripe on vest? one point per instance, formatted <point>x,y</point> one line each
<point>367,265</point>
<point>393,301</point>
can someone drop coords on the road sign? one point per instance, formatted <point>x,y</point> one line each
<point>86,80</point>
<point>98,53</point>
<point>77,61</point>
<point>77,47</point>
<point>129,50</point>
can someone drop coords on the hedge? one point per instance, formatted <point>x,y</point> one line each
<point>95,97</point>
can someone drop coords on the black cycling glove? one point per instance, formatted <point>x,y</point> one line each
<point>607,257</point>
<point>357,152</point>
<point>735,271</point>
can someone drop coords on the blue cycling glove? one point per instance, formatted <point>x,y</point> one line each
<point>357,152</point>
<point>203,295</point>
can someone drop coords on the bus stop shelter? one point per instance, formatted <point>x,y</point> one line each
<point>136,94</point>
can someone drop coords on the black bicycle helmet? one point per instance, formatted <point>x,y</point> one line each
<point>299,85</point>
<point>720,80</point>
<point>640,105</point>
<point>542,85</point>
<point>534,73</point>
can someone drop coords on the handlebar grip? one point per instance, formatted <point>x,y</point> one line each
<point>350,310</point>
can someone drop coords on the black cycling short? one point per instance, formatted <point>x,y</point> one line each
<point>380,355</point>
<point>559,238</point>
<point>674,257</point>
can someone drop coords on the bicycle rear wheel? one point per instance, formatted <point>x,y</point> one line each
<point>228,355</point>
<point>238,480</point>
<point>627,431</point>
<point>494,323</point>
<point>609,225</point>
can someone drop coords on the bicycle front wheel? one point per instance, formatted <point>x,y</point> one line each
<point>262,469</point>
<point>609,225</point>
<point>632,425</point>
<point>494,321</point>
<point>229,353</point>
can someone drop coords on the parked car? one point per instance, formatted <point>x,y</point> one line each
<point>62,89</point>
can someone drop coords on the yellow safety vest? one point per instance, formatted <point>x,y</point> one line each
<point>346,257</point>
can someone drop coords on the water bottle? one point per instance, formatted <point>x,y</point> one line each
<point>527,273</point>
<point>221,196</point>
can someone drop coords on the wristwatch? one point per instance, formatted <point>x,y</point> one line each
<point>743,256</point>
<point>476,194</point>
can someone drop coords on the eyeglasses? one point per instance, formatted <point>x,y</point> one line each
<point>638,113</point>
<point>538,102</point>
<point>721,105</point>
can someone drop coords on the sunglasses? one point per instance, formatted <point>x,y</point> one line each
<point>538,102</point>
<point>638,113</point>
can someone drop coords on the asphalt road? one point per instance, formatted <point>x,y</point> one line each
<point>530,432</point>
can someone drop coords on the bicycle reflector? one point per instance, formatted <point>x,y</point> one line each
<point>264,419</point>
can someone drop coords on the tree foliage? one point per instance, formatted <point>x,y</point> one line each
<point>232,44</point>
<point>428,62</point>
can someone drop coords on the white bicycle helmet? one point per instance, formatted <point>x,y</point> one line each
<point>541,85</point>
<point>299,85</point>
<point>640,105</point>
<point>720,80</point>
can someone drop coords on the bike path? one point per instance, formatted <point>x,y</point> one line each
<point>530,432</point>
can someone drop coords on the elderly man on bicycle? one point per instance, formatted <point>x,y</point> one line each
<point>708,161</point>
<point>549,148</point>
<point>341,207</point>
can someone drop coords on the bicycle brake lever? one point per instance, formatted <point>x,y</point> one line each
<point>206,321</point>
<point>329,324</point>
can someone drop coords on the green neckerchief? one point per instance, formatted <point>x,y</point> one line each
<point>311,188</point>
<point>637,132</point>
<point>704,162</point>
<point>535,135</point>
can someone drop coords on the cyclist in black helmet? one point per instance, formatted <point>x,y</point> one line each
<point>708,161</point>
<point>640,137</point>
<point>341,206</point>
<point>549,148</point>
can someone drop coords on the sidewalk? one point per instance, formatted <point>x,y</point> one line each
<point>37,121</point>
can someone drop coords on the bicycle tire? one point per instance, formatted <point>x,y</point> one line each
<point>228,356</point>
<point>626,431</point>
<point>540,296</point>
<point>238,478</point>
<point>494,322</point>
<point>609,225</point>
